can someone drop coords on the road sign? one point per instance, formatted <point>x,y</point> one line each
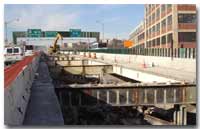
<point>128,43</point>
<point>50,33</point>
<point>75,32</point>
<point>34,32</point>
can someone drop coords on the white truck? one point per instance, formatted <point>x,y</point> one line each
<point>13,53</point>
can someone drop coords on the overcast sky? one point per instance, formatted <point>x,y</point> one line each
<point>119,20</point>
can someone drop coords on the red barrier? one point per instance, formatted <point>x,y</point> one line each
<point>10,73</point>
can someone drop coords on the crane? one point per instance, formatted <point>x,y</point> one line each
<point>55,47</point>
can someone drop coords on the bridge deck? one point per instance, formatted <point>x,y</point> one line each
<point>176,74</point>
<point>43,107</point>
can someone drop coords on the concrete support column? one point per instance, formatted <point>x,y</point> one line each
<point>180,115</point>
<point>174,95</point>
<point>155,96</point>
<point>184,110</point>
<point>165,97</point>
<point>98,97</point>
<point>108,97</point>
<point>175,117</point>
<point>145,96</point>
<point>117,98</point>
<point>127,97</point>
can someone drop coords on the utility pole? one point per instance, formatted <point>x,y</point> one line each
<point>102,29</point>
<point>6,28</point>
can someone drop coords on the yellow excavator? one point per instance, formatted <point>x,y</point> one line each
<point>55,47</point>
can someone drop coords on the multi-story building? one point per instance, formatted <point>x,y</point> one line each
<point>115,43</point>
<point>138,35</point>
<point>165,25</point>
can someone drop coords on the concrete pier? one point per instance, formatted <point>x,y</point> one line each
<point>180,115</point>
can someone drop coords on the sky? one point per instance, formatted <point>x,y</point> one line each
<point>119,20</point>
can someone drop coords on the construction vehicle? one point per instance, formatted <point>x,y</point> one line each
<point>55,47</point>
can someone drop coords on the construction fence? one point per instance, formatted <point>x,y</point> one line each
<point>162,52</point>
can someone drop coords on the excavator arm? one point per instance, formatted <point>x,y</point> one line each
<point>54,48</point>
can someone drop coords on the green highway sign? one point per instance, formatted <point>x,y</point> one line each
<point>50,33</point>
<point>75,32</point>
<point>34,32</point>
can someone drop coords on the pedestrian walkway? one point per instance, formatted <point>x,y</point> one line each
<point>43,107</point>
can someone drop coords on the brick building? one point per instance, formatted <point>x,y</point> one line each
<point>165,25</point>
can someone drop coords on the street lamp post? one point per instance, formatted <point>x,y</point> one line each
<point>102,29</point>
<point>6,27</point>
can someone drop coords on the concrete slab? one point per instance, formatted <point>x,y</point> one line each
<point>176,74</point>
<point>43,107</point>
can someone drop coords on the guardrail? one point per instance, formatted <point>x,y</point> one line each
<point>18,81</point>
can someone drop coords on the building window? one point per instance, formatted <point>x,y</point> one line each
<point>149,19</point>
<point>150,31</point>
<point>153,42</point>
<point>169,38</point>
<point>147,22</point>
<point>147,33</point>
<point>163,23</point>
<point>187,36</point>
<point>169,20</point>
<point>146,9</point>
<point>141,37</point>
<point>158,13</point>
<point>153,17</point>
<point>158,41</point>
<point>153,29</point>
<point>149,43</point>
<point>163,39</point>
<point>169,6</point>
<point>163,8</point>
<point>158,27</point>
<point>186,18</point>
<point>149,6</point>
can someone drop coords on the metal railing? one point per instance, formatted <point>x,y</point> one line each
<point>162,52</point>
